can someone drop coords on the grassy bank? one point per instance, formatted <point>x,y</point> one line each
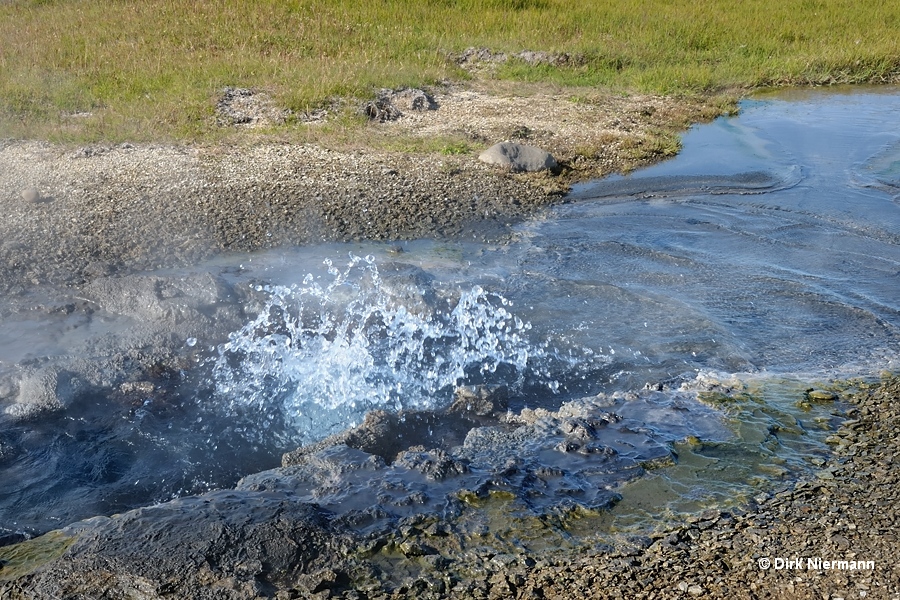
<point>105,69</point>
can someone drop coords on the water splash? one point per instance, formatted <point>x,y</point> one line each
<point>321,355</point>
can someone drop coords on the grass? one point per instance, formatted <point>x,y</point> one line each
<point>116,70</point>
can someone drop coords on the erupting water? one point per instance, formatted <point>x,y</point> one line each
<point>325,354</point>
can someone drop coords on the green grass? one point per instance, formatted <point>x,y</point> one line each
<point>110,69</point>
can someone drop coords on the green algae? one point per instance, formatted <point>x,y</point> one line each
<point>26,557</point>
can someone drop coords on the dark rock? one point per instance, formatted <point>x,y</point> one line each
<point>434,464</point>
<point>221,545</point>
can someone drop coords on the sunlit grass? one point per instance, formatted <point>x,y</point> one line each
<point>105,69</point>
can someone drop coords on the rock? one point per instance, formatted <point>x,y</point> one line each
<point>518,157</point>
<point>821,395</point>
<point>412,548</point>
<point>412,99</point>
<point>435,464</point>
<point>481,400</point>
<point>389,105</point>
<point>31,194</point>
<point>840,542</point>
<point>219,545</point>
<point>42,390</point>
<point>381,109</point>
<point>8,537</point>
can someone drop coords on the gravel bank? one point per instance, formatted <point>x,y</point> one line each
<point>72,214</point>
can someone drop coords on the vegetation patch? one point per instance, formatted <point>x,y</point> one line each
<point>104,70</point>
<point>23,558</point>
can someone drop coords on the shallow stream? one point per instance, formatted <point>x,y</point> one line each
<point>656,336</point>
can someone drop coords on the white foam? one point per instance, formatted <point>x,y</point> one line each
<point>324,354</point>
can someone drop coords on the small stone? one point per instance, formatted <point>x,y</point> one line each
<point>410,548</point>
<point>31,194</point>
<point>518,157</point>
<point>821,395</point>
<point>840,541</point>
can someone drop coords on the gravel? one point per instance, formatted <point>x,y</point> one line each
<point>72,214</point>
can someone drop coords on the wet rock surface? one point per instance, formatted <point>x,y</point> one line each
<point>222,545</point>
<point>397,466</point>
<point>266,544</point>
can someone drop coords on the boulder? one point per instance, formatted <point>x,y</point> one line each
<point>518,157</point>
<point>41,391</point>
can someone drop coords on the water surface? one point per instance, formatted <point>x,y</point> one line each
<point>763,260</point>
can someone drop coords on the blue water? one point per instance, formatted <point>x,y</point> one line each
<point>768,249</point>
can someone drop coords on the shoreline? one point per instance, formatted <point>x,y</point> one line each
<point>775,547</point>
<point>73,214</point>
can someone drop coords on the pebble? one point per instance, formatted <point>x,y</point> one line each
<point>31,194</point>
<point>821,395</point>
